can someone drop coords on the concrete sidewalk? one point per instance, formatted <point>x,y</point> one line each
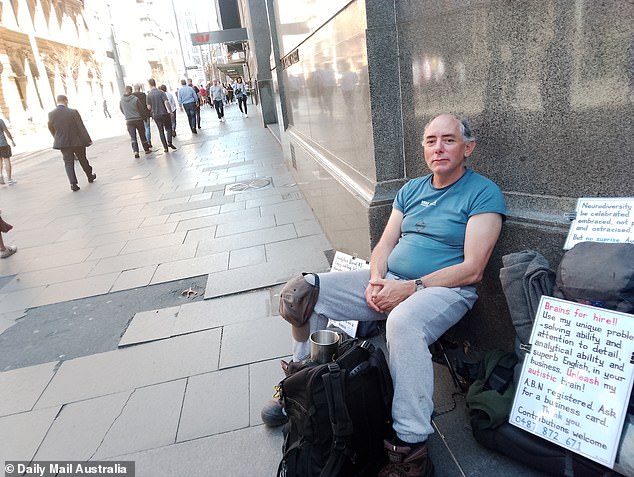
<point>138,319</point>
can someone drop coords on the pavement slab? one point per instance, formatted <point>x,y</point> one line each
<point>151,243</point>
<point>219,219</point>
<point>133,278</point>
<point>149,419</point>
<point>190,267</point>
<point>21,388</point>
<point>150,325</point>
<point>163,323</point>
<point>73,289</point>
<point>64,331</point>
<point>20,300</point>
<point>144,258</point>
<point>246,239</point>
<point>237,227</point>
<point>253,341</point>
<point>192,214</point>
<point>247,256</point>
<point>5,323</point>
<point>222,311</point>
<point>214,403</point>
<point>199,204</point>
<point>80,428</point>
<point>39,278</point>
<point>251,452</point>
<point>22,434</point>
<point>132,367</point>
<point>246,278</point>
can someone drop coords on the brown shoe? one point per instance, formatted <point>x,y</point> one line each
<point>405,461</point>
<point>273,413</point>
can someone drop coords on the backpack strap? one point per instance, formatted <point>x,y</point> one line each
<point>342,429</point>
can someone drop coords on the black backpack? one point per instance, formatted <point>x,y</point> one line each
<point>599,274</point>
<point>339,414</point>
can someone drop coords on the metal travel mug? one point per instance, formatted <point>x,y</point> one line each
<point>324,346</point>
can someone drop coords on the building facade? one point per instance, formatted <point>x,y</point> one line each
<point>87,50</point>
<point>45,50</point>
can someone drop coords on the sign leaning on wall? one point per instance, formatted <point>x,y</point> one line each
<point>598,219</point>
<point>577,378</point>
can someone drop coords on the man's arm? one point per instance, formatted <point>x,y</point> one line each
<point>378,259</point>
<point>83,132</point>
<point>483,231</point>
<point>166,102</point>
<point>51,127</point>
<point>481,235</point>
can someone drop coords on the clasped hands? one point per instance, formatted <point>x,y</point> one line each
<point>384,295</point>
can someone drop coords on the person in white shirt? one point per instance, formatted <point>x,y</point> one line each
<point>172,101</point>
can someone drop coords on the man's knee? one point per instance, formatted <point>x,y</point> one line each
<point>297,302</point>
<point>399,323</point>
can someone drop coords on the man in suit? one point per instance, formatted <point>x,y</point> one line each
<point>72,138</point>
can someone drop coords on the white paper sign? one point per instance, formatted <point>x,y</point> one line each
<point>598,219</point>
<point>341,263</point>
<point>576,380</point>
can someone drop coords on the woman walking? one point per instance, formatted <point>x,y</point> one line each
<point>5,153</point>
<point>240,92</point>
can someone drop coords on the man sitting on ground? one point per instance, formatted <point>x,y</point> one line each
<point>435,247</point>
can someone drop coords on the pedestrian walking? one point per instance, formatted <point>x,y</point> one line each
<point>5,250</point>
<point>71,138</point>
<point>133,112</point>
<point>172,101</point>
<point>240,92</point>
<point>198,102</point>
<point>202,91</point>
<point>5,153</point>
<point>160,109</point>
<point>146,116</point>
<point>188,100</point>
<point>217,93</point>
<point>106,113</point>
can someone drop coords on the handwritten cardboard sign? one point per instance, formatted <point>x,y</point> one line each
<point>576,380</point>
<point>598,219</point>
<point>341,263</point>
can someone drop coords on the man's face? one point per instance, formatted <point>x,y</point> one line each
<point>444,147</point>
<point>189,82</point>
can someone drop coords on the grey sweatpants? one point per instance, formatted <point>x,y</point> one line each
<point>410,328</point>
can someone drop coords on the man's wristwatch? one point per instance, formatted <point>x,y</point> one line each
<point>419,284</point>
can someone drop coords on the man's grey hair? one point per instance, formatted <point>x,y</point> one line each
<point>465,127</point>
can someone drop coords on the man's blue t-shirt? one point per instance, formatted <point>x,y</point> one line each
<point>435,221</point>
